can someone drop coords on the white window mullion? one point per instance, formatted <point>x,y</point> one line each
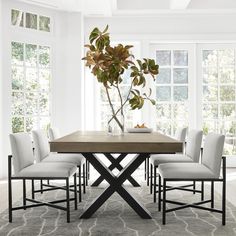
<point>36,115</point>
<point>175,104</point>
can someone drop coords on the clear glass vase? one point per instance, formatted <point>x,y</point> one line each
<point>116,125</point>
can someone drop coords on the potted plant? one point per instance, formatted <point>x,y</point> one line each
<point>108,64</point>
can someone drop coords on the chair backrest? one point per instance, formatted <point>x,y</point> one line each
<point>180,134</point>
<point>22,151</point>
<point>193,146</point>
<point>212,152</point>
<point>40,144</point>
<point>53,133</point>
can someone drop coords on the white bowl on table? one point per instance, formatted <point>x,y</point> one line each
<point>139,130</point>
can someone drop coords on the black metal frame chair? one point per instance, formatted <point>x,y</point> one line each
<point>163,188</point>
<point>38,203</point>
<point>152,176</point>
<point>196,204</point>
<point>51,187</point>
<point>53,134</point>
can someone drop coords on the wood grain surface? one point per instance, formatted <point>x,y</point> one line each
<point>101,142</point>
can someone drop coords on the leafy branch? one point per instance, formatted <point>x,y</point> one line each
<point>108,65</point>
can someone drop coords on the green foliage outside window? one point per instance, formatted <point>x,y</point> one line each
<point>31,77</point>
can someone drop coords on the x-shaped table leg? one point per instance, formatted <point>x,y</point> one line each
<point>116,185</point>
<point>115,163</point>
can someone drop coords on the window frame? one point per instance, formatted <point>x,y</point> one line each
<point>212,46</point>
<point>38,91</point>
<point>31,30</point>
<point>190,47</point>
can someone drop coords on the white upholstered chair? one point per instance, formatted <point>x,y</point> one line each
<point>43,154</point>
<point>54,133</point>
<point>25,169</point>
<point>192,154</point>
<point>207,170</point>
<point>180,135</point>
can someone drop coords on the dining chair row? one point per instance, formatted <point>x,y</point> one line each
<point>39,163</point>
<point>188,166</point>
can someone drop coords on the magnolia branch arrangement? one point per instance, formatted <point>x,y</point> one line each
<point>108,64</point>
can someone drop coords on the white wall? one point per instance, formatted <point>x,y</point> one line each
<point>66,42</point>
<point>1,78</point>
<point>169,27</point>
<point>67,84</point>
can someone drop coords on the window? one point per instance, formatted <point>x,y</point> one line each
<point>172,89</point>
<point>31,75</point>
<point>30,20</point>
<point>218,94</point>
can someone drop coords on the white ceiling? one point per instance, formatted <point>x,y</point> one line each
<point>119,7</point>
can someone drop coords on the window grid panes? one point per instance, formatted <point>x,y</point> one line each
<point>219,97</point>
<point>30,20</point>
<point>31,75</point>
<point>172,90</point>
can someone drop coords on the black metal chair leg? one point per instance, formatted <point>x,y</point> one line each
<point>24,194</point>
<point>84,179</point>
<point>151,176</point>
<point>32,188</point>
<point>224,192</point>
<point>80,193</point>
<point>67,200</point>
<point>9,190</point>
<point>155,185</point>
<point>41,185</point>
<point>148,171</point>
<point>75,191</point>
<point>194,186</point>
<point>212,194</point>
<point>48,181</point>
<point>202,190</point>
<point>159,194</point>
<point>86,172</point>
<point>164,203</point>
<point>145,169</point>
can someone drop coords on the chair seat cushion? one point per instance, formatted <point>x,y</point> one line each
<point>74,158</point>
<point>158,159</point>
<point>48,170</point>
<point>185,171</point>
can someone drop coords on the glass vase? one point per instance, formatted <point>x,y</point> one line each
<point>116,124</point>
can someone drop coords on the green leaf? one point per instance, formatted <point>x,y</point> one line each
<point>140,64</point>
<point>105,30</point>
<point>153,101</point>
<point>136,91</point>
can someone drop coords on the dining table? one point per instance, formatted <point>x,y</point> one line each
<point>90,143</point>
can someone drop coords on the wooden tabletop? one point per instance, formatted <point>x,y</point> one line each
<point>102,142</point>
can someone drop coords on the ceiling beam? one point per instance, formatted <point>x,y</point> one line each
<point>179,4</point>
